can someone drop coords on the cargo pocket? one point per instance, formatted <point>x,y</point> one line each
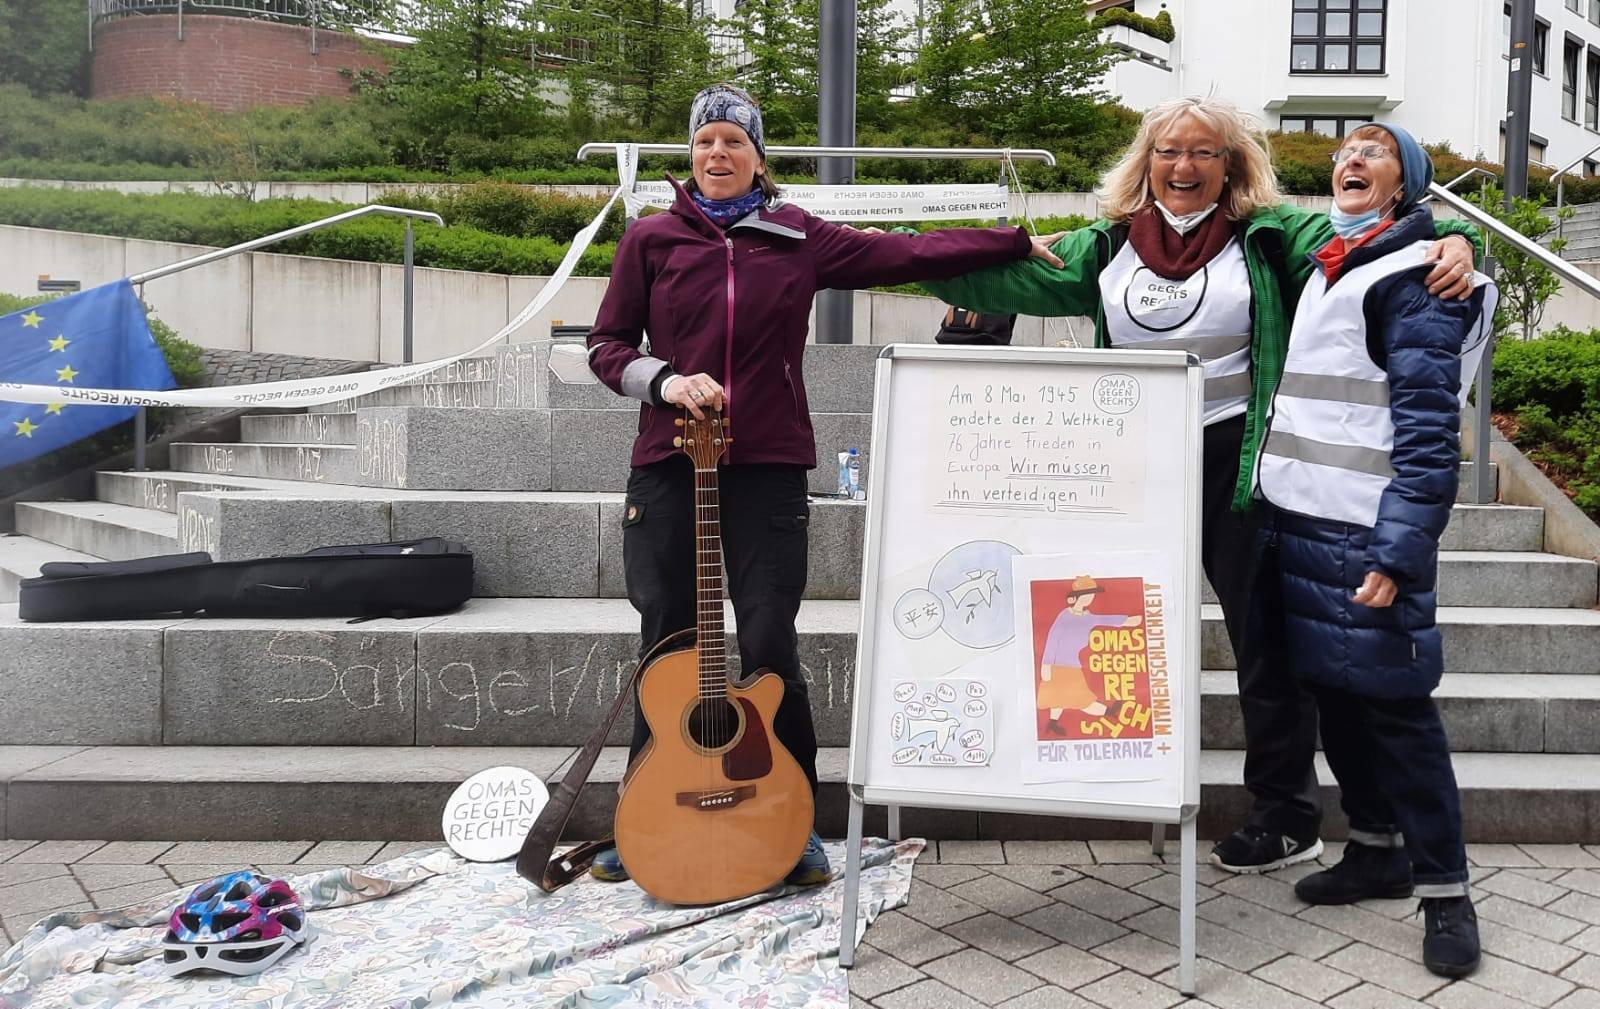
<point>787,548</point>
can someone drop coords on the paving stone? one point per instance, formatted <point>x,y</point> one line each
<point>1356,922</point>
<point>1525,983</point>
<point>1546,922</point>
<point>1048,853</point>
<point>1317,982</point>
<point>342,852</point>
<point>18,924</point>
<point>1065,923</point>
<point>1520,886</point>
<point>1115,852</point>
<point>1166,889</point>
<point>981,976</point>
<point>1561,856</point>
<point>1230,989</point>
<point>1587,940</point>
<point>1578,905</point>
<point>1581,880</point>
<point>938,908</point>
<point>40,895</point>
<point>1139,952</point>
<point>394,849</point>
<point>1205,873</point>
<point>1466,995</point>
<point>57,851</point>
<point>1515,944</point>
<point>1124,876</point>
<point>999,936</point>
<point>10,848</point>
<point>1048,997</point>
<point>924,995</point>
<point>28,872</point>
<point>1370,996</point>
<point>1583,998</point>
<point>1405,975</point>
<point>1042,878</point>
<point>1102,899</point>
<point>119,896</point>
<point>1129,990</point>
<point>972,852</point>
<point>1270,926</point>
<point>105,877</point>
<point>128,852</point>
<point>1503,856</point>
<point>193,873</point>
<point>876,973</point>
<point>943,876</point>
<point>242,853</point>
<point>1068,967</point>
<point>999,895</point>
<point>1223,945</point>
<point>908,940</point>
<point>1268,891</point>
<point>1585,971</point>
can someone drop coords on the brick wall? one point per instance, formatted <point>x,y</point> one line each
<point>229,63</point>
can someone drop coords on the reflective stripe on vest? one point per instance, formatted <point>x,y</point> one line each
<point>1207,315</point>
<point>1331,436</point>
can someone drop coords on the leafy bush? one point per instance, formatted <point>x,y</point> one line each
<point>1159,27</point>
<point>1550,389</point>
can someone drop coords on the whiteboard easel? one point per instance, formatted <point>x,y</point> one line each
<point>1040,457</point>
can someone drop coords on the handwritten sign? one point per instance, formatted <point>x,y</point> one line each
<point>489,814</point>
<point>1050,447</point>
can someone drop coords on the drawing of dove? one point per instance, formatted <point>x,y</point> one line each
<point>981,583</point>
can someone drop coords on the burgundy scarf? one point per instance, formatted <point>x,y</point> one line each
<point>1174,256</point>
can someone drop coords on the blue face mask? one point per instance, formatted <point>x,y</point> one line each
<point>1351,226</point>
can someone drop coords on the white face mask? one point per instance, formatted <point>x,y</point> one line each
<point>1185,223</point>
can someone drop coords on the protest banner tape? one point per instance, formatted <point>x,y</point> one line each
<point>966,202</point>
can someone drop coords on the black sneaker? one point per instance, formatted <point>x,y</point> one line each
<point>1363,873</point>
<point>1450,946</point>
<point>1252,849</point>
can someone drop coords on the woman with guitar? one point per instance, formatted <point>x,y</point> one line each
<point>723,284</point>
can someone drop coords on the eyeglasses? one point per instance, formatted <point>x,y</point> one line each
<point>1200,157</point>
<point>1368,152</point>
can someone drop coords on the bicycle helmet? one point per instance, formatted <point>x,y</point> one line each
<point>241,923</point>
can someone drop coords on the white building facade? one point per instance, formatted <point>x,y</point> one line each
<point>1436,67</point>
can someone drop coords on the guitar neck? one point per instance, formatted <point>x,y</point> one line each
<point>708,584</point>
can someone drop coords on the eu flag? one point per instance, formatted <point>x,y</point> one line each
<point>98,339</point>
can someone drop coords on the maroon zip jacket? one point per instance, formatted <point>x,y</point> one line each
<point>735,305</point>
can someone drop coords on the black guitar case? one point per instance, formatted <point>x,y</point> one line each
<point>403,579</point>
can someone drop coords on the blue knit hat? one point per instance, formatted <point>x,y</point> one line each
<point>727,103</point>
<point>1416,168</point>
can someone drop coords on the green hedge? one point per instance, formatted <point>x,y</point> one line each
<point>1549,391</point>
<point>1159,27</point>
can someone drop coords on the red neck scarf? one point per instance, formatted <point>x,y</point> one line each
<point>1174,256</point>
<point>1331,256</point>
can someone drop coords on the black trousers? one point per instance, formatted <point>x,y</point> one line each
<point>1280,716</point>
<point>765,516</point>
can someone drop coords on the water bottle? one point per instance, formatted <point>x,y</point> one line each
<point>844,474</point>
<point>852,472</point>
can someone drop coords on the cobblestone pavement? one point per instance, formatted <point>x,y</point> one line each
<point>1043,924</point>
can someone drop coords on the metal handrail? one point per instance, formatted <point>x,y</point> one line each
<point>1561,188</point>
<point>140,279</point>
<point>965,153</point>
<point>304,229</point>
<point>1469,173</point>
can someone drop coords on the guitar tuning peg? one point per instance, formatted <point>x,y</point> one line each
<point>677,443</point>
<point>678,421</point>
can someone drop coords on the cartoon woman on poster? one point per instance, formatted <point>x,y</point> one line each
<point>1062,685</point>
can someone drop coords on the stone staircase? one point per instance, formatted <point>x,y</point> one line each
<point>283,729</point>
<point>1582,232</point>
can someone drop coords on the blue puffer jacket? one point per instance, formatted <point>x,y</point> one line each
<point>1394,651</point>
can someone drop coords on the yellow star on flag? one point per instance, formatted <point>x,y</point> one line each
<point>66,374</point>
<point>32,320</point>
<point>59,343</point>
<point>25,427</point>
<point>54,408</point>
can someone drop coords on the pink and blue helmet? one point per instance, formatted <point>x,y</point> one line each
<point>241,923</point>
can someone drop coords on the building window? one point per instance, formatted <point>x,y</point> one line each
<point>1594,12</point>
<point>1591,92</point>
<point>1575,5</point>
<point>1569,78</point>
<point>1541,40</point>
<point>1590,168</point>
<point>1328,126</point>
<point>1338,37</point>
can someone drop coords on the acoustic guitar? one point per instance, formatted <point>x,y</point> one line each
<point>714,808</point>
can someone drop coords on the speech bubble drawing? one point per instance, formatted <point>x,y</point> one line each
<point>905,691</point>
<point>929,699</point>
<point>945,692</point>
<point>977,689</point>
<point>915,710</point>
<point>976,756</point>
<point>972,739</point>
<point>905,755</point>
<point>918,613</point>
<point>941,758</point>
<point>897,725</point>
<point>976,709</point>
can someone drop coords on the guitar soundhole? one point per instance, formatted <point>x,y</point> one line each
<point>714,723</point>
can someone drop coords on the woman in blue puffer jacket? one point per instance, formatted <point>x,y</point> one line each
<point>1360,465</point>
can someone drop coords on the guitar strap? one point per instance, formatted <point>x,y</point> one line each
<point>534,863</point>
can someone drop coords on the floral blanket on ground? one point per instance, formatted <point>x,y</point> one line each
<point>429,929</point>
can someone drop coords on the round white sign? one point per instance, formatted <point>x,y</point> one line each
<point>489,814</point>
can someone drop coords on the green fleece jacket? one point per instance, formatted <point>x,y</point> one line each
<point>1278,243</point>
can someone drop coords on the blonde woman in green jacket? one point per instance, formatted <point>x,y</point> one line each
<point>1198,252</point>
